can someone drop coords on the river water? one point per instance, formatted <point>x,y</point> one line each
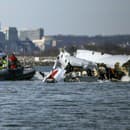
<point>34,105</point>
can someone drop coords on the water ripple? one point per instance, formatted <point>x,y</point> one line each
<point>34,105</point>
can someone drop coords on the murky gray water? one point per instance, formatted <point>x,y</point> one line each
<point>34,105</point>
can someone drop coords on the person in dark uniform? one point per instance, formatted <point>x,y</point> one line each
<point>69,68</point>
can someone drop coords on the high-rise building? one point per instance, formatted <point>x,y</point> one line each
<point>2,37</point>
<point>11,34</point>
<point>32,34</point>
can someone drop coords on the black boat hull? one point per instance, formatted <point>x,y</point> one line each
<point>17,74</point>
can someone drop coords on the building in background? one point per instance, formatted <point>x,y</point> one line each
<point>35,35</point>
<point>31,34</point>
<point>40,43</point>
<point>2,37</point>
<point>11,34</point>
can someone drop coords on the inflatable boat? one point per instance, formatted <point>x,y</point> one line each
<point>19,73</point>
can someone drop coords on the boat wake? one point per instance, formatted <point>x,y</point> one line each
<point>38,76</point>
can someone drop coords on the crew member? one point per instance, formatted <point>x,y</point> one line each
<point>69,68</point>
<point>4,62</point>
<point>12,62</point>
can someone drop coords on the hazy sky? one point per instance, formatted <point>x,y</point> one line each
<point>78,17</point>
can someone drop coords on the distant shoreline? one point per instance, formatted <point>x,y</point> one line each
<point>36,61</point>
